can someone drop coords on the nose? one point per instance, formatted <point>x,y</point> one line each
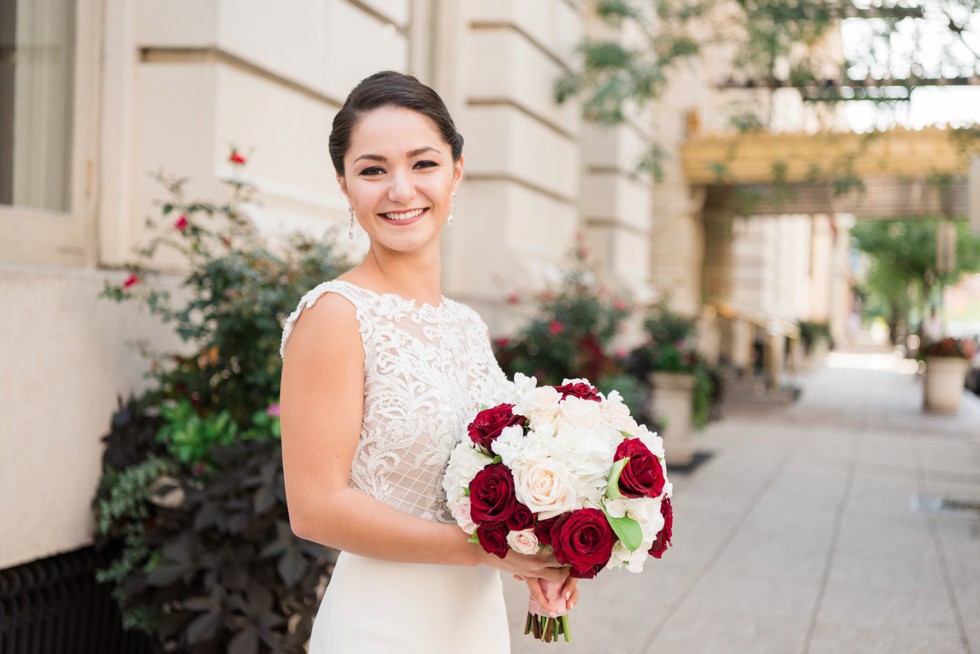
<point>402,188</point>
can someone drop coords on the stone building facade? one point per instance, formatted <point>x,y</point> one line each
<point>96,94</point>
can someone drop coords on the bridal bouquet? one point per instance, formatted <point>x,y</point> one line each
<point>567,468</point>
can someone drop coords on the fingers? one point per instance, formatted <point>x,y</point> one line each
<point>538,595</point>
<point>570,592</point>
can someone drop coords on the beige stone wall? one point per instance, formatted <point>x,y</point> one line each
<point>181,82</point>
<point>174,84</point>
<point>519,205</point>
<point>66,357</point>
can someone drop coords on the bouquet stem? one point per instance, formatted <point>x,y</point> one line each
<point>543,627</point>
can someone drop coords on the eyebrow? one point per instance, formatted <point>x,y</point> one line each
<point>413,153</point>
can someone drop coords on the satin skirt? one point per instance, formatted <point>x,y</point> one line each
<point>375,607</point>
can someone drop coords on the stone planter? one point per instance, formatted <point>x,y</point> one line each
<point>673,401</point>
<point>943,383</point>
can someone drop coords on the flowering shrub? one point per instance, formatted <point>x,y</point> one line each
<point>570,334</point>
<point>191,503</point>
<point>949,347</point>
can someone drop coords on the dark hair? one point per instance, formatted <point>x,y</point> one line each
<point>390,89</point>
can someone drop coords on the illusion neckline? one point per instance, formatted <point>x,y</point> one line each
<point>443,303</point>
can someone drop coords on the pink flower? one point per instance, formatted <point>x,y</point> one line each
<point>272,410</point>
<point>131,281</point>
<point>619,304</point>
<point>513,298</point>
<point>236,157</point>
<point>181,223</point>
<point>556,327</point>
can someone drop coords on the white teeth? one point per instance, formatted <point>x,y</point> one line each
<point>407,215</point>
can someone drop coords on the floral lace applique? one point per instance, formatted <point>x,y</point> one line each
<point>427,369</point>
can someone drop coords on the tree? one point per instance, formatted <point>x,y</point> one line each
<point>779,45</point>
<point>903,275</point>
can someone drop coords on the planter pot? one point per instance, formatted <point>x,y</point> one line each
<point>673,401</point>
<point>943,383</point>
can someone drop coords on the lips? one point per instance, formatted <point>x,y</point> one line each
<point>403,216</point>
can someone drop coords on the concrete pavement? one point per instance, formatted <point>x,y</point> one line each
<point>814,528</point>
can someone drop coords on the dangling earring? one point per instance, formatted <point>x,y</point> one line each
<point>350,230</point>
<point>452,208</point>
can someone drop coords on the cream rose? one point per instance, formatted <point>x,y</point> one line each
<point>461,513</point>
<point>545,486</point>
<point>524,542</point>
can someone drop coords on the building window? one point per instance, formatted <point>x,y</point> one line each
<point>37,64</point>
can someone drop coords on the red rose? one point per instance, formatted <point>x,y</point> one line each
<point>555,327</point>
<point>181,223</point>
<point>543,529</point>
<point>583,540</point>
<point>579,390</point>
<point>642,475</point>
<point>489,423</point>
<point>521,518</point>
<point>492,496</point>
<point>236,158</point>
<point>662,542</point>
<point>493,538</point>
<point>131,281</point>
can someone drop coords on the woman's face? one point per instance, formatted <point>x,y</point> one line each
<point>399,177</point>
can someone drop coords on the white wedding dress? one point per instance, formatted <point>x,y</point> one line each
<point>426,371</point>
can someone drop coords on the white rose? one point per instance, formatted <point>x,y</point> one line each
<point>461,513</point>
<point>545,486</point>
<point>539,404</point>
<point>576,412</point>
<point>524,542</point>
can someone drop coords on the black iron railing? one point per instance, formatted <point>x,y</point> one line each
<point>55,606</point>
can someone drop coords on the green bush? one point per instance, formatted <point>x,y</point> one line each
<point>812,332</point>
<point>191,503</point>
<point>669,347</point>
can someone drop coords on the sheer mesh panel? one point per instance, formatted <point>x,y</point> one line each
<point>427,369</point>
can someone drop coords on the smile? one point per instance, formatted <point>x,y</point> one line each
<point>402,216</point>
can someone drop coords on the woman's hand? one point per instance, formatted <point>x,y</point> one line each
<point>531,568</point>
<point>568,592</point>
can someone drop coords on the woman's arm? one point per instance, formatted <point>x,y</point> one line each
<point>321,407</point>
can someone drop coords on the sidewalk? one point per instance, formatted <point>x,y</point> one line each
<point>814,528</point>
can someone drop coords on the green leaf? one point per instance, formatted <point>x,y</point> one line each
<point>203,628</point>
<point>612,488</point>
<point>292,566</point>
<point>626,529</point>
<point>473,538</point>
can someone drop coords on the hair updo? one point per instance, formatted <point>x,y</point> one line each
<point>390,89</point>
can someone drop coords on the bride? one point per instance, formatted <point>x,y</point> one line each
<point>381,375</point>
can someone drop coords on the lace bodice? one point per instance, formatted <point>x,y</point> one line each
<point>427,369</point>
